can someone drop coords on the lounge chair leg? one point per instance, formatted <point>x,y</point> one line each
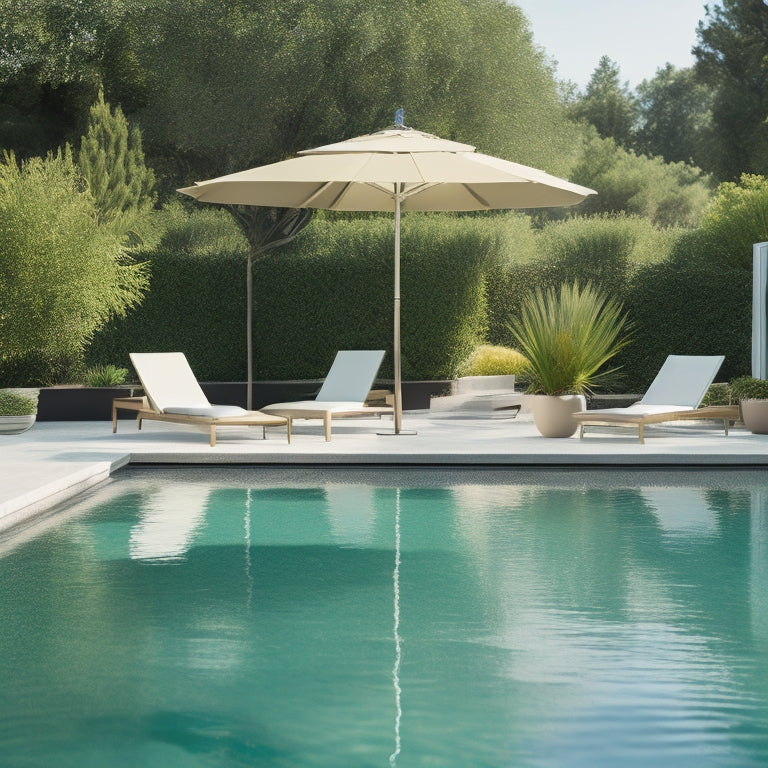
<point>640,434</point>
<point>327,423</point>
<point>581,431</point>
<point>288,428</point>
<point>213,435</point>
<point>138,422</point>
<point>725,427</point>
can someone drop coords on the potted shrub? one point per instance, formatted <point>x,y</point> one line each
<point>752,396</point>
<point>489,368</point>
<point>567,337</point>
<point>17,411</point>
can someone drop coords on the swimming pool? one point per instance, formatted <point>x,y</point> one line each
<point>360,617</point>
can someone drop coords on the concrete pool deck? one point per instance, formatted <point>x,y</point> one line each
<point>56,460</point>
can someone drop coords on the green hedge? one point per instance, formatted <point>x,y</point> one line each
<point>196,301</point>
<point>463,279</point>
<point>331,289</point>
<point>678,303</point>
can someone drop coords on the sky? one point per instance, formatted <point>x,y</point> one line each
<point>640,37</point>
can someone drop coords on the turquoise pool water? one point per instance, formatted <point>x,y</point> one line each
<point>289,617</point>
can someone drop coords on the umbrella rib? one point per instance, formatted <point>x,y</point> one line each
<point>319,191</point>
<point>477,197</point>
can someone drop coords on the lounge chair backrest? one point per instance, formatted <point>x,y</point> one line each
<point>350,378</point>
<point>168,380</point>
<point>683,380</point>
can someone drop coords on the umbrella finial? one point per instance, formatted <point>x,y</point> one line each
<point>400,118</point>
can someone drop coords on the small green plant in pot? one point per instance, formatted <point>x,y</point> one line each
<point>17,411</point>
<point>752,396</point>
<point>568,336</point>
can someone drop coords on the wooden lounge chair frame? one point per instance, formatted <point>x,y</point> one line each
<point>674,395</point>
<point>247,419</point>
<point>343,393</point>
<point>171,389</point>
<point>724,413</point>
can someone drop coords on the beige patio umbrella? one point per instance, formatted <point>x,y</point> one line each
<point>393,170</point>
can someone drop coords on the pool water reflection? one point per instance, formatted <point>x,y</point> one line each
<point>291,617</point>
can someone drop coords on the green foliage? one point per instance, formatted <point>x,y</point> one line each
<point>731,59</point>
<point>567,337</point>
<point>112,163</point>
<point>608,104</point>
<point>62,275</point>
<point>676,118</point>
<point>670,194</point>
<point>493,360</point>
<point>16,404</point>
<point>232,85</point>
<point>719,393</point>
<point>104,376</point>
<point>736,218</point>
<point>683,306</point>
<point>605,251</point>
<point>330,290</point>
<point>196,302</point>
<point>748,388</point>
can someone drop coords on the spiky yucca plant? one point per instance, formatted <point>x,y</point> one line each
<point>568,336</point>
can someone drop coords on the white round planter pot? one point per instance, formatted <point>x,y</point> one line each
<point>755,416</point>
<point>553,414</point>
<point>15,425</point>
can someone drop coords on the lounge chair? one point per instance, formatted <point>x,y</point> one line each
<point>173,394</point>
<point>343,392</point>
<point>674,394</point>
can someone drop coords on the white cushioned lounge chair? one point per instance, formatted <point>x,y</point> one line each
<point>173,394</point>
<point>674,394</point>
<point>343,392</point>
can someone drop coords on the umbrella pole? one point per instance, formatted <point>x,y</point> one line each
<point>397,410</point>
<point>398,404</point>
<point>249,330</point>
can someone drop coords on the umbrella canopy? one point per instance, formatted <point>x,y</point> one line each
<point>393,170</point>
<point>368,173</point>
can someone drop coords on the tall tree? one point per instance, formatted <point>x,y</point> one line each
<point>732,58</point>
<point>608,104</point>
<point>675,117</point>
<point>112,162</point>
<point>237,84</point>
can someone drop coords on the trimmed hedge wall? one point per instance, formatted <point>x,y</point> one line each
<point>463,278</point>
<point>331,289</point>
<point>678,302</point>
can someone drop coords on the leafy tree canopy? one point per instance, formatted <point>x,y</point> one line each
<point>736,218</point>
<point>62,275</point>
<point>608,104</point>
<point>732,58</point>
<point>675,117</point>
<point>670,194</point>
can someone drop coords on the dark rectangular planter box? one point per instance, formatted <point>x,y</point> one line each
<point>79,403</point>
<point>95,403</point>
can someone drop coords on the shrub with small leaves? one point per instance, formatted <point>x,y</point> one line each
<point>748,388</point>
<point>718,394</point>
<point>15,404</point>
<point>491,360</point>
